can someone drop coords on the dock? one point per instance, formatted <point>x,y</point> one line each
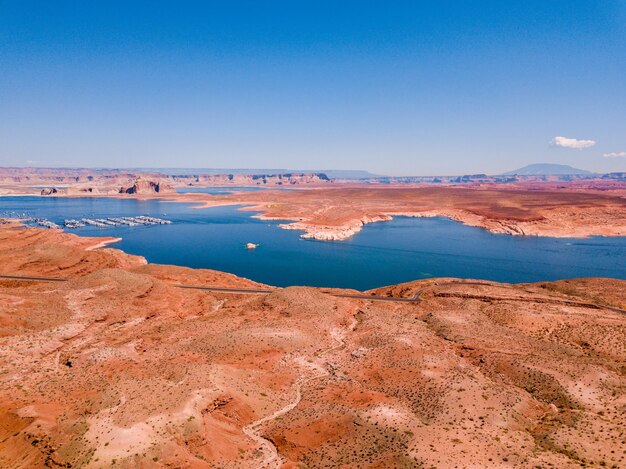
<point>102,222</point>
<point>45,223</point>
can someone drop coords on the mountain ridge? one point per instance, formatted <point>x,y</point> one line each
<point>547,169</point>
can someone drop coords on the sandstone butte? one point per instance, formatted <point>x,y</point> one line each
<point>119,367</point>
<point>104,182</point>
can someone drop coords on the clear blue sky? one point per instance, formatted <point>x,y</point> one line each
<point>419,87</point>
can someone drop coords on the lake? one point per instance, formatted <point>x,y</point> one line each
<point>381,254</point>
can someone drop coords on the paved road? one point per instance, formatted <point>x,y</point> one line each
<point>35,279</point>
<point>252,291</point>
<point>255,291</point>
<point>416,298</point>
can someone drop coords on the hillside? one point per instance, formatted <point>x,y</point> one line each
<point>120,367</point>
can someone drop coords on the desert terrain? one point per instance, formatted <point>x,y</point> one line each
<point>340,212</point>
<point>110,182</point>
<point>326,209</point>
<point>117,366</point>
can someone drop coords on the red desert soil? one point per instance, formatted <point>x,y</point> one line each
<point>119,367</point>
<point>340,212</point>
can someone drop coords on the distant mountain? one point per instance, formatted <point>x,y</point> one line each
<point>546,169</point>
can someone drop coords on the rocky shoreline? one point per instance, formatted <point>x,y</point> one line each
<point>543,227</point>
<point>338,213</point>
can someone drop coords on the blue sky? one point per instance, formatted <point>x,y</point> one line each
<point>421,87</point>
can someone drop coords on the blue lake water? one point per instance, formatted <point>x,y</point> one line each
<point>382,254</point>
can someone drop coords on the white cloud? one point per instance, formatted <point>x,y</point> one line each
<point>572,143</point>
<point>615,154</point>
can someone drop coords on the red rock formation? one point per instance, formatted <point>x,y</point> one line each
<point>143,186</point>
<point>120,367</point>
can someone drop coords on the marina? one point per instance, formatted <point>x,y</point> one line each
<point>45,223</point>
<point>396,251</point>
<point>109,222</point>
<point>116,221</point>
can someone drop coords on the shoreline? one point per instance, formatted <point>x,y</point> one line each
<point>135,351</point>
<point>310,216</point>
<point>89,244</point>
<point>350,228</point>
<point>102,244</point>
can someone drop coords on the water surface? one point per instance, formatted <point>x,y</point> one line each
<point>381,254</point>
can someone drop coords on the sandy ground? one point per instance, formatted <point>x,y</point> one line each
<point>118,367</point>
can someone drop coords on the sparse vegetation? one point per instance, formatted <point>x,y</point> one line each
<point>336,381</point>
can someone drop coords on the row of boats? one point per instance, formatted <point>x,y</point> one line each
<point>45,223</point>
<point>104,222</point>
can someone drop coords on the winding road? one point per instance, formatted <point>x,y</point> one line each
<point>415,298</point>
<point>255,291</point>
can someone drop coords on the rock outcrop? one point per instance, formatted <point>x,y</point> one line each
<point>49,191</point>
<point>144,186</point>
